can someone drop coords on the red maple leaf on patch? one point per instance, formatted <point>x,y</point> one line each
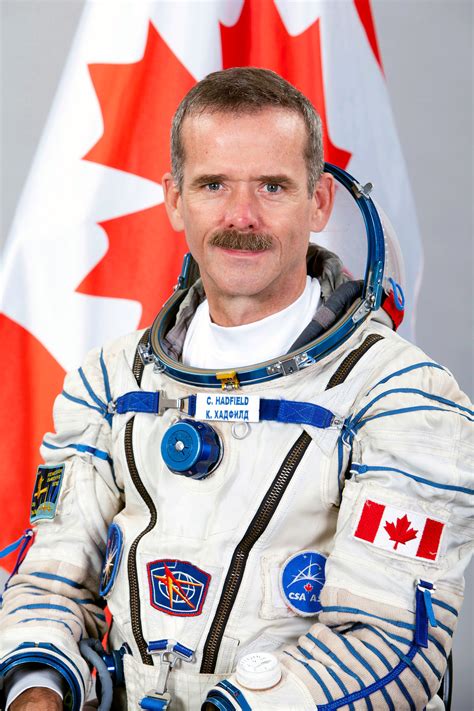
<point>400,532</point>
<point>308,587</point>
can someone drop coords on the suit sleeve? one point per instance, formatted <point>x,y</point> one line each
<point>52,602</point>
<point>394,582</point>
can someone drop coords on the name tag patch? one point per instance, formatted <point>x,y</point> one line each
<point>408,533</point>
<point>227,408</point>
<point>177,587</point>
<point>46,492</point>
<point>302,579</point>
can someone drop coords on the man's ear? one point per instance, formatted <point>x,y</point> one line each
<point>323,201</point>
<point>172,202</point>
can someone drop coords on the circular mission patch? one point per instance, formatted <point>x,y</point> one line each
<point>301,580</point>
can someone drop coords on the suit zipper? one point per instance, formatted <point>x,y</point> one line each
<point>239,559</point>
<point>255,530</point>
<point>134,590</point>
<point>352,359</point>
<point>262,519</point>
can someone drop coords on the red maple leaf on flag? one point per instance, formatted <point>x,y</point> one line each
<point>365,16</point>
<point>137,102</point>
<point>260,39</point>
<point>400,532</point>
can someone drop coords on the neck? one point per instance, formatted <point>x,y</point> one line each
<point>230,310</point>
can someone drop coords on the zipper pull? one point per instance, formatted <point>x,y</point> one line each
<point>424,614</point>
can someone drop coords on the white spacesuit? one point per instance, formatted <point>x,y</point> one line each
<point>225,510</point>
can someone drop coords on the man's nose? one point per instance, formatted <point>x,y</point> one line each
<point>242,212</point>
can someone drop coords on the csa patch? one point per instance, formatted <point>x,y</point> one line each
<point>407,533</point>
<point>177,587</point>
<point>113,555</point>
<point>302,578</point>
<point>46,492</point>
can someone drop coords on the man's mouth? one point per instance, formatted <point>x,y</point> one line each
<point>242,241</point>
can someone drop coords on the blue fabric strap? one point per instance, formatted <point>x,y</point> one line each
<point>424,613</point>
<point>163,645</point>
<point>429,608</point>
<point>158,645</point>
<point>182,650</point>
<point>288,411</point>
<point>16,544</point>
<point>138,402</point>
<point>298,413</point>
<point>153,704</point>
<point>22,543</point>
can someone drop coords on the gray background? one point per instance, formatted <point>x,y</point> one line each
<point>426,48</point>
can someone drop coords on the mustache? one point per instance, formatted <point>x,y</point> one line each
<point>250,241</point>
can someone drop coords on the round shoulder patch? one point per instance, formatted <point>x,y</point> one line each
<point>301,580</point>
<point>113,554</point>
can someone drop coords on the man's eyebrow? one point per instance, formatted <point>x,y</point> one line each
<point>207,178</point>
<point>277,180</point>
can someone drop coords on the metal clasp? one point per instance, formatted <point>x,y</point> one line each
<point>337,422</point>
<point>145,353</point>
<point>283,367</point>
<point>228,380</point>
<point>147,357</point>
<point>362,190</point>
<point>169,657</point>
<point>291,365</point>
<point>166,403</point>
<point>168,660</point>
<point>366,306</point>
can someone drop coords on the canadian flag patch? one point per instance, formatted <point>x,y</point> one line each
<point>404,532</point>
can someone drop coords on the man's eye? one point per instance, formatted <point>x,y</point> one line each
<point>272,188</point>
<point>213,187</point>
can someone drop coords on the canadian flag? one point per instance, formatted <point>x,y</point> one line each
<point>408,533</point>
<point>91,254</point>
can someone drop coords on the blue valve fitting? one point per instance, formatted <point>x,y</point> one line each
<point>114,663</point>
<point>192,449</point>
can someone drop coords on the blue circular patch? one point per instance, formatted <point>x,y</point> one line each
<point>302,578</point>
<point>113,554</point>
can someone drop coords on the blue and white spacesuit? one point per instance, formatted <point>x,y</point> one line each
<point>317,506</point>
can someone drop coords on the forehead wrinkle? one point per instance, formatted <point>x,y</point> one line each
<point>202,137</point>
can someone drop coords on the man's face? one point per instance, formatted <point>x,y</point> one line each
<point>245,185</point>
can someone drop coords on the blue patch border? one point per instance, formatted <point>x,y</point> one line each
<point>114,533</point>
<point>284,570</point>
<point>40,511</point>
<point>178,613</point>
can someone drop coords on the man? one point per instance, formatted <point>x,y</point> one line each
<point>227,510</point>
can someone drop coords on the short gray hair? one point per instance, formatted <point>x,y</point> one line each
<point>243,90</point>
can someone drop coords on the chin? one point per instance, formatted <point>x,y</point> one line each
<point>240,282</point>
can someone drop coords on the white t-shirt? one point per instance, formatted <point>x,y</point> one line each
<point>208,345</point>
